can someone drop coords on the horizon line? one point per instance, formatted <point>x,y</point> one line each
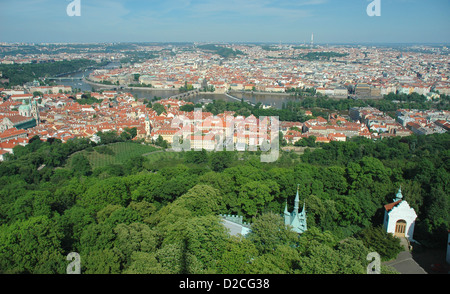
<point>234,42</point>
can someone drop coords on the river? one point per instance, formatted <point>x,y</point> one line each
<point>273,100</point>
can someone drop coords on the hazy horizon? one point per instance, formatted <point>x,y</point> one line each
<point>226,21</point>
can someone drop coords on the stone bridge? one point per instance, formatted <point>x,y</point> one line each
<point>185,95</point>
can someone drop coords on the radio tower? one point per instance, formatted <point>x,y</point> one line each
<point>312,40</point>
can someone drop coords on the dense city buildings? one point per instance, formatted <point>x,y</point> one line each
<point>203,138</point>
<point>345,72</point>
<point>362,71</point>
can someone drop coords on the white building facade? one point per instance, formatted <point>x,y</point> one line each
<point>399,218</point>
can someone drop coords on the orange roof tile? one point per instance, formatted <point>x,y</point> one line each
<point>389,206</point>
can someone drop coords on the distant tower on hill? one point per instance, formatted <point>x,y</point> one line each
<point>312,40</point>
<point>296,219</point>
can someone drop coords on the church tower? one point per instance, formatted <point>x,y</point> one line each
<point>35,112</point>
<point>296,219</point>
<point>148,127</point>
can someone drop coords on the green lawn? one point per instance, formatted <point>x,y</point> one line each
<point>160,156</point>
<point>122,152</point>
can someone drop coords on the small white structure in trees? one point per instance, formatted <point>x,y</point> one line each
<point>399,218</point>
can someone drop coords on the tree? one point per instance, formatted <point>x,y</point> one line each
<point>223,183</point>
<point>377,240</point>
<point>106,261</point>
<point>286,181</point>
<point>307,142</point>
<point>196,157</point>
<point>201,200</point>
<point>186,88</point>
<point>268,231</point>
<point>334,180</point>
<point>145,263</point>
<point>135,237</point>
<point>205,238</point>
<point>255,196</point>
<point>161,142</point>
<point>283,260</point>
<point>104,192</point>
<point>237,257</point>
<point>322,259</point>
<point>81,165</point>
<point>283,141</point>
<point>187,107</point>
<point>221,160</point>
<point>109,137</point>
<point>175,259</point>
<point>36,245</point>
<point>159,108</point>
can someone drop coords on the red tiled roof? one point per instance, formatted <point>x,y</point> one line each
<point>389,206</point>
<point>18,119</point>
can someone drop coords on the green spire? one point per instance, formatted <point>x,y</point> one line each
<point>297,201</point>
<point>286,211</point>
<point>399,195</point>
<point>296,219</point>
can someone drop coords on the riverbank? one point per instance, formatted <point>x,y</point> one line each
<point>125,87</point>
<point>268,99</point>
<point>122,87</point>
<point>260,93</point>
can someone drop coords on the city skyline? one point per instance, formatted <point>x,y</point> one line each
<point>401,21</point>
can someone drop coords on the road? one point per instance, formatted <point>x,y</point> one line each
<point>405,263</point>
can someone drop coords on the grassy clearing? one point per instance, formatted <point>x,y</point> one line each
<point>118,153</point>
<point>161,159</point>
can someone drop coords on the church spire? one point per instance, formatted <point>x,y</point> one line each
<point>286,211</point>
<point>297,201</point>
<point>297,219</point>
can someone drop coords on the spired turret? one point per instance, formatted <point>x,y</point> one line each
<point>296,219</point>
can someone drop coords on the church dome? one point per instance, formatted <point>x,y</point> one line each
<point>24,107</point>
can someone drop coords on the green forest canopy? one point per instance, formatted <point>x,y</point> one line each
<point>19,74</point>
<point>151,217</point>
<point>222,51</point>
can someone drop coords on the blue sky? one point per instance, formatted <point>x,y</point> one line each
<point>332,21</point>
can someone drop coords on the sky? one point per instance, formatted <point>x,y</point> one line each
<point>286,21</point>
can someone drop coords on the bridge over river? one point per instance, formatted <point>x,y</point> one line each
<point>184,95</point>
<point>194,93</point>
<point>66,78</point>
<point>235,98</point>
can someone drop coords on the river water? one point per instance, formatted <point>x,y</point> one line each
<point>273,100</point>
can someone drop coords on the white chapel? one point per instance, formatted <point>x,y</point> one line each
<point>399,217</point>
